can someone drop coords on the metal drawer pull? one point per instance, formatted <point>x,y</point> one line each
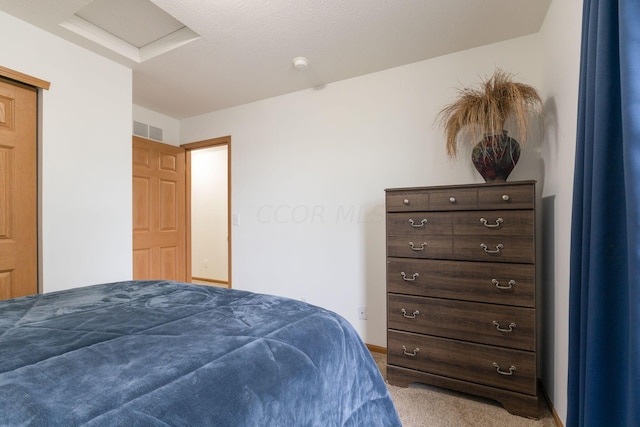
<point>421,248</point>
<point>499,247</point>
<point>511,369</point>
<point>506,197</point>
<point>413,316</point>
<point>414,354</point>
<point>452,199</point>
<point>496,225</point>
<point>499,286</point>
<point>406,279</point>
<point>422,223</point>
<point>405,201</point>
<point>511,326</point>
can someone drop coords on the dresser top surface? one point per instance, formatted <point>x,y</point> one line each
<point>474,185</point>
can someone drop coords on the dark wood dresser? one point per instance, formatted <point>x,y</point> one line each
<point>461,305</point>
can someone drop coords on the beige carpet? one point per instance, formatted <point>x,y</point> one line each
<point>422,405</point>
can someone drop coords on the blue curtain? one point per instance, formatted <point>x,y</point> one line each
<point>604,313</point>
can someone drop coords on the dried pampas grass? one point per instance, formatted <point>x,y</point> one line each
<point>485,109</point>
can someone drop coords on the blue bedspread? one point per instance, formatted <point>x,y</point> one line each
<point>172,354</point>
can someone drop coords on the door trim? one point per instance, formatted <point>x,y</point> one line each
<point>213,142</point>
<point>24,78</point>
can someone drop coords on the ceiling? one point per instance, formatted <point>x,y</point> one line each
<point>191,57</point>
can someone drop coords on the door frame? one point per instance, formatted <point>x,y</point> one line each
<point>189,147</point>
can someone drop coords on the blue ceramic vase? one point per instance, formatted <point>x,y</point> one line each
<point>495,156</point>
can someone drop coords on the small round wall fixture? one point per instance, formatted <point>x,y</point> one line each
<point>300,63</point>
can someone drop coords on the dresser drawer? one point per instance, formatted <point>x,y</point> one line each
<point>451,199</point>
<point>496,249</point>
<point>493,223</point>
<point>514,196</point>
<point>499,283</point>
<point>407,201</point>
<point>502,325</point>
<point>483,364</point>
<point>420,246</point>
<point>419,224</point>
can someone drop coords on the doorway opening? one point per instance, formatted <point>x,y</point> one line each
<point>208,173</point>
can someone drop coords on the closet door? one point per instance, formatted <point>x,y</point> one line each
<point>18,190</point>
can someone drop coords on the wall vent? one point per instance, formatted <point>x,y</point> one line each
<point>155,133</point>
<point>140,129</point>
<point>146,131</point>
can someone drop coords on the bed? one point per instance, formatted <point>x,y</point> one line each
<point>175,354</point>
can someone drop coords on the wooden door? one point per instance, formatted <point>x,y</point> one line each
<point>159,238</point>
<point>18,190</point>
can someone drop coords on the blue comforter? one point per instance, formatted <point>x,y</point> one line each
<point>173,354</point>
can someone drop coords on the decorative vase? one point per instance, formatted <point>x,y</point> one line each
<point>495,156</point>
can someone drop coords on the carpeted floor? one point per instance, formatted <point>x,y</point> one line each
<point>422,405</point>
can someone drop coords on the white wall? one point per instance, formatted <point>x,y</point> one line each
<point>560,37</point>
<point>310,169</point>
<point>85,157</point>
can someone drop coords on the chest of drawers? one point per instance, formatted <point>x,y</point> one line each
<point>461,285</point>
